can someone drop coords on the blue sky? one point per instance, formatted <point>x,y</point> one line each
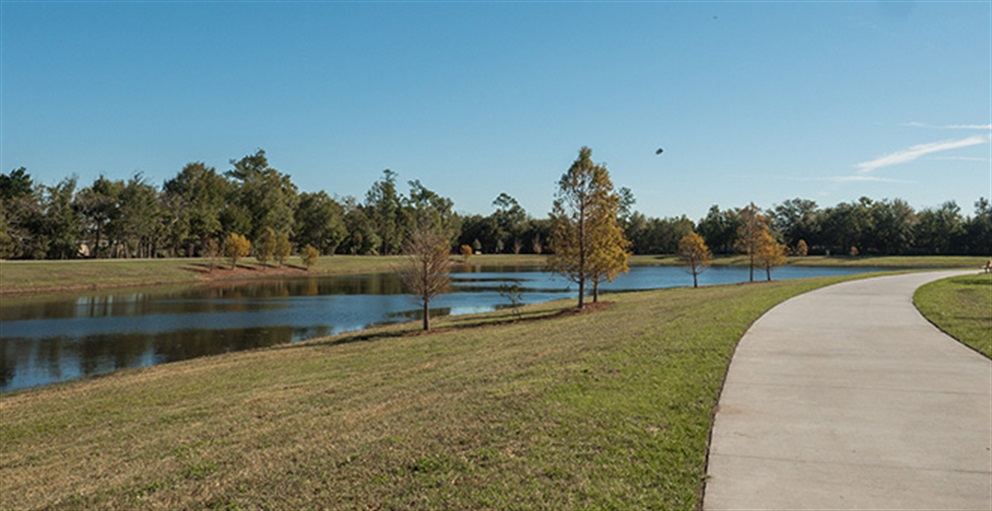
<point>752,101</point>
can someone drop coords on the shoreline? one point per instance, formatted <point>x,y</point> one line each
<point>33,278</point>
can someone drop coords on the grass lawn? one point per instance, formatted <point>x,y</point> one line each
<point>18,277</point>
<point>607,409</point>
<point>962,307</point>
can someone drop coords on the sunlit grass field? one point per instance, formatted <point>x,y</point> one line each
<point>962,307</point>
<point>608,409</point>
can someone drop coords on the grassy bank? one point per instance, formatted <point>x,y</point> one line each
<point>975,262</point>
<point>21,277</point>
<point>605,409</point>
<point>962,307</point>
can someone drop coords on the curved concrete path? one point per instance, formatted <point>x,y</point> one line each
<point>847,398</point>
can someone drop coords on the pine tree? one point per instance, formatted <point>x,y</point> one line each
<point>265,246</point>
<point>587,244</point>
<point>283,248</point>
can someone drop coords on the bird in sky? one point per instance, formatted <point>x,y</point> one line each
<point>659,151</point>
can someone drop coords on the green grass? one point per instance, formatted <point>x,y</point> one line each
<point>975,262</point>
<point>601,410</point>
<point>962,307</point>
<point>971,262</point>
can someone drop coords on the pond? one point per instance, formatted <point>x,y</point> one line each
<point>67,337</point>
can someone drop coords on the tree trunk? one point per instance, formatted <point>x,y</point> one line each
<point>582,291</point>
<point>595,291</point>
<point>427,316</point>
<point>768,272</point>
<point>695,283</point>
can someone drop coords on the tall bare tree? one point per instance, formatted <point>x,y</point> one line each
<point>426,272</point>
<point>749,234</point>
<point>587,243</point>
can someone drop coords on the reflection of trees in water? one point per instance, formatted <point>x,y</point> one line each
<point>96,354</point>
<point>8,364</point>
<point>415,314</point>
<point>198,343</point>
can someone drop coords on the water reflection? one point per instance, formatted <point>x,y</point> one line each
<point>59,339</point>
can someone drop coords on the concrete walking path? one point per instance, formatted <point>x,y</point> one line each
<point>847,398</point>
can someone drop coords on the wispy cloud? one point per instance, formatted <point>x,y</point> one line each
<point>979,127</point>
<point>962,158</point>
<point>916,151</point>
<point>863,179</point>
<point>849,179</point>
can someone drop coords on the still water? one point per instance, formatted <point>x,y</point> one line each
<point>68,337</point>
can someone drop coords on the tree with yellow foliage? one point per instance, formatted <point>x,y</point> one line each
<point>749,231</point>
<point>309,256</point>
<point>695,255</point>
<point>769,253</point>
<point>235,247</point>
<point>586,240</point>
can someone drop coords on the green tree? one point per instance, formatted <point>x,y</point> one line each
<point>695,255</point>
<point>383,209</point>
<point>940,230</point>
<point>197,198</point>
<point>893,223</point>
<point>22,207</point>
<point>585,237</point>
<point>15,184</point>
<point>265,246</point>
<point>62,224</point>
<point>796,219</point>
<point>426,205</point>
<point>426,272</point>
<point>283,248</point>
<point>362,238</point>
<point>210,253</point>
<point>848,224</point>
<point>719,229</point>
<point>979,229</point>
<point>8,247</point>
<point>508,220</point>
<point>320,222</point>
<point>100,205</point>
<point>262,196</point>
<point>140,222</point>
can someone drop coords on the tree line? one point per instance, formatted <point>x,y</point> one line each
<point>196,211</point>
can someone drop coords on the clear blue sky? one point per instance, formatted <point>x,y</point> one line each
<point>752,101</point>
